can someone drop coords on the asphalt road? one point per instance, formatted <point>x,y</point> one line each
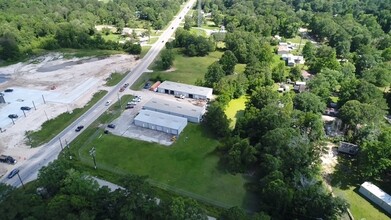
<point>50,151</point>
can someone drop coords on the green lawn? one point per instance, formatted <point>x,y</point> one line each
<point>115,78</point>
<point>346,181</point>
<point>198,32</point>
<point>189,165</point>
<point>360,207</point>
<point>239,68</point>
<point>188,69</point>
<point>235,109</point>
<point>112,37</point>
<point>144,50</point>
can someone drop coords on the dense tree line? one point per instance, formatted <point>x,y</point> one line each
<point>61,192</point>
<point>27,25</point>
<point>280,137</point>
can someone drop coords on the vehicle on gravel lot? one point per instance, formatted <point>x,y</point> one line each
<point>111,126</point>
<point>25,108</point>
<point>79,128</point>
<point>13,116</point>
<point>7,159</point>
<point>13,173</point>
<point>180,96</point>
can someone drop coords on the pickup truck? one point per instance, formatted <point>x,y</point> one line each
<point>7,159</point>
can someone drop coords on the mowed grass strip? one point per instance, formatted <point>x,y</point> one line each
<point>54,126</point>
<point>190,164</point>
<point>188,69</point>
<point>115,78</point>
<point>235,109</point>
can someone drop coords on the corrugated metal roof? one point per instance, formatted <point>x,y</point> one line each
<point>376,191</point>
<point>185,88</point>
<point>161,119</point>
<point>175,107</point>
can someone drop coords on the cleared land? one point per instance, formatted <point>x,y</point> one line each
<point>188,69</point>
<point>189,166</point>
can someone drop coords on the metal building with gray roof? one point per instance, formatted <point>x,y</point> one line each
<point>189,91</point>
<point>158,121</point>
<point>189,111</point>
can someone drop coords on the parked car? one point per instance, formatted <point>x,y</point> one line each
<point>13,116</point>
<point>79,128</point>
<point>132,103</point>
<point>8,90</point>
<point>13,173</point>
<point>25,108</point>
<point>180,96</point>
<point>147,85</point>
<point>108,102</point>
<point>129,106</point>
<point>7,159</point>
<point>111,126</point>
<point>136,100</point>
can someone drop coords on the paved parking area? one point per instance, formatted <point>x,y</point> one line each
<point>126,128</point>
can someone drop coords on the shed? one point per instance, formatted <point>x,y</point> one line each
<point>348,148</point>
<point>154,86</point>
<point>376,195</point>
<point>189,91</point>
<point>160,122</point>
<point>182,109</point>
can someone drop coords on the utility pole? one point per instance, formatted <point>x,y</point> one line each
<point>199,20</point>
<point>20,180</point>
<point>92,153</point>
<point>44,101</point>
<point>59,139</point>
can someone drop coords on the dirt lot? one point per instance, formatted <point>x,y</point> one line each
<point>64,84</point>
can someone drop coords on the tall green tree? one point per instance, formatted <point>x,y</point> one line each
<point>228,62</point>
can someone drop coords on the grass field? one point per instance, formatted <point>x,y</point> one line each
<point>144,50</point>
<point>54,126</point>
<point>360,207</point>
<point>112,37</point>
<point>235,109</point>
<point>190,165</point>
<point>239,68</point>
<point>346,182</point>
<point>115,78</point>
<point>188,69</point>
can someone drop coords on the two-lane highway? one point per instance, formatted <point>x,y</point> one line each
<point>49,152</point>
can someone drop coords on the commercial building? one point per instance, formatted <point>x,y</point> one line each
<point>376,195</point>
<point>160,122</point>
<point>191,112</point>
<point>189,91</point>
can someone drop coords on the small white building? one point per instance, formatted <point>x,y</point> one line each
<point>376,195</point>
<point>182,109</point>
<point>292,60</point>
<point>189,91</point>
<point>160,122</point>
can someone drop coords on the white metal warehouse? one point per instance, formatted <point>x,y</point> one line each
<point>376,195</point>
<point>160,122</point>
<point>189,91</point>
<point>191,112</point>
